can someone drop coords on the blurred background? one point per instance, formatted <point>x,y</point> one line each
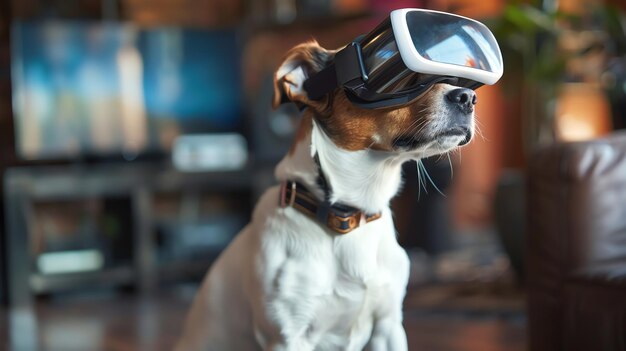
<point>136,136</point>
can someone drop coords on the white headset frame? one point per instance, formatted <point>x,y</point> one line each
<point>415,62</point>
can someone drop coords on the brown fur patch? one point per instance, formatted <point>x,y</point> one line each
<point>311,57</point>
<point>353,128</point>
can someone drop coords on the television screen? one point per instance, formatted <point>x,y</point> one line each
<point>105,89</point>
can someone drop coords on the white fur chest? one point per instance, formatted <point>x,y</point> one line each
<point>339,283</point>
<point>361,292</point>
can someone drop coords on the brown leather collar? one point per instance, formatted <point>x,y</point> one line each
<point>340,218</point>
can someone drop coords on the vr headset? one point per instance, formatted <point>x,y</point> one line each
<point>406,54</point>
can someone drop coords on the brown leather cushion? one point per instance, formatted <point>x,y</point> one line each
<point>576,246</point>
<point>577,207</point>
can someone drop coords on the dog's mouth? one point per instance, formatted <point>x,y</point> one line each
<point>407,142</point>
<point>412,142</point>
<point>457,132</point>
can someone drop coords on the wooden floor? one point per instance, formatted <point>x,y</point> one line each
<point>125,322</point>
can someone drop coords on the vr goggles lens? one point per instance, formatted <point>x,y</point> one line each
<point>409,52</point>
<point>445,39</point>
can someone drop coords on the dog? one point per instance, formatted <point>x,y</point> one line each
<point>288,281</point>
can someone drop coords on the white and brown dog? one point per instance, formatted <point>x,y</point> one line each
<point>290,280</point>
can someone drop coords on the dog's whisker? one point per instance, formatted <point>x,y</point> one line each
<point>423,126</point>
<point>431,180</point>
<point>421,182</point>
<point>480,133</point>
<point>417,121</point>
<point>451,168</point>
<point>418,129</point>
<point>478,129</point>
<point>415,125</point>
<point>422,177</point>
<point>419,190</point>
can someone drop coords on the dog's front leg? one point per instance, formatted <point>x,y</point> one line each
<point>285,311</point>
<point>388,335</point>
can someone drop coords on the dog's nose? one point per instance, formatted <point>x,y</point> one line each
<point>463,98</point>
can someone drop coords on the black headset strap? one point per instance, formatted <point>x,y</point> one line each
<point>346,69</point>
<point>321,83</point>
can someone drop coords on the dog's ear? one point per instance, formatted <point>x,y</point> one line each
<point>300,63</point>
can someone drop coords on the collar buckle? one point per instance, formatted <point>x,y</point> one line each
<point>283,194</point>
<point>341,219</point>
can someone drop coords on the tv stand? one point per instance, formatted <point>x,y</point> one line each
<point>25,186</point>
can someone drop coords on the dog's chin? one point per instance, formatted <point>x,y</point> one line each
<point>439,143</point>
<point>454,137</point>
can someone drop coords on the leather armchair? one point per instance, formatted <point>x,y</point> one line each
<point>576,246</point>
